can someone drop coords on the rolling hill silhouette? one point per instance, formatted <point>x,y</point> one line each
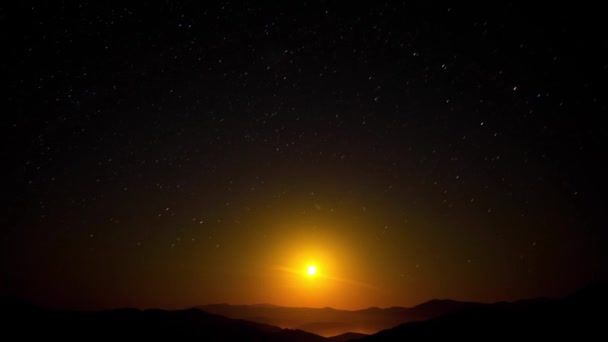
<point>27,322</point>
<point>577,317</point>
<point>331,322</point>
<point>350,336</point>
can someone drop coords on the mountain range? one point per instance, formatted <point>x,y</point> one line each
<point>576,317</point>
<point>579,317</point>
<point>25,322</point>
<point>331,322</point>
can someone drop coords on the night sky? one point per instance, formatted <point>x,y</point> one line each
<point>177,154</point>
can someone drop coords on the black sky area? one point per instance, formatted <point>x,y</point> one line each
<point>173,153</point>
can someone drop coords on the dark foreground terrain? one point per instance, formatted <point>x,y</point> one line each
<point>24,322</point>
<point>577,317</point>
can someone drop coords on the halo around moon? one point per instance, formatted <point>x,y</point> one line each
<point>311,271</point>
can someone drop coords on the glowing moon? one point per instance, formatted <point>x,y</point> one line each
<point>312,270</point>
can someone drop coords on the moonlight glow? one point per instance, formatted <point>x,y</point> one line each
<point>348,157</point>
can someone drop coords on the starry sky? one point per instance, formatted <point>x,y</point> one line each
<point>178,153</point>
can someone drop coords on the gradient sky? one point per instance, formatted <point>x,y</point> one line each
<point>181,154</point>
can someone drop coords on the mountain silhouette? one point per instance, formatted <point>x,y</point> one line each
<point>330,322</point>
<point>350,336</point>
<point>576,317</point>
<point>573,318</point>
<point>27,322</point>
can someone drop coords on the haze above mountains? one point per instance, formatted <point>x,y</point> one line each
<point>331,322</point>
<point>575,317</point>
